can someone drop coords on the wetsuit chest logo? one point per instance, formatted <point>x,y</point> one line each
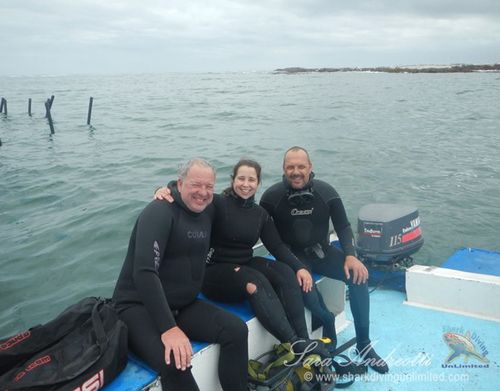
<point>303,212</point>
<point>197,234</point>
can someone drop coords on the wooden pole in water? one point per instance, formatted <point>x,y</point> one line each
<point>5,106</point>
<point>89,114</point>
<point>47,108</point>
<point>29,107</point>
<point>49,101</point>
<point>1,110</point>
<point>49,116</point>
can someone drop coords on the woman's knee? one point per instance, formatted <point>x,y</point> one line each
<point>257,282</point>
<point>283,270</point>
<point>282,276</point>
<point>251,288</point>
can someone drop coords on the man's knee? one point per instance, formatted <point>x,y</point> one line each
<point>239,331</point>
<point>357,289</point>
<point>233,329</point>
<point>175,379</point>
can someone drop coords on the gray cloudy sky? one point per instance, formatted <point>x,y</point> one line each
<point>116,36</point>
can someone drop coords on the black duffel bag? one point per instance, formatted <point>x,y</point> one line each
<point>84,348</point>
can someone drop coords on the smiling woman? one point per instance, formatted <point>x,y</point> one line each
<point>246,178</point>
<point>234,273</point>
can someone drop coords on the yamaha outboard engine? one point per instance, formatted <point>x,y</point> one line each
<point>388,234</point>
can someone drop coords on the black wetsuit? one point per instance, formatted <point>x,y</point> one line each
<point>157,289</point>
<point>303,223</point>
<point>277,301</point>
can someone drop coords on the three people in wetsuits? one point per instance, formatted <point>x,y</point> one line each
<point>273,288</point>
<point>165,268</point>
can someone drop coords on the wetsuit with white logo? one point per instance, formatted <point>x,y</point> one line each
<point>157,289</point>
<point>303,224</point>
<point>277,301</point>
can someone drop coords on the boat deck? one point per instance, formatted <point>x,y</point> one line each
<point>411,339</point>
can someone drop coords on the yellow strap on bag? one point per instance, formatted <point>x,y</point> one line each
<point>259,369</point>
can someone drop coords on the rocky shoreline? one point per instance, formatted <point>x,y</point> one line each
<point>459,68</point>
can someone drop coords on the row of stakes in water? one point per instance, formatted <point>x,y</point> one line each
<point>48,115</point>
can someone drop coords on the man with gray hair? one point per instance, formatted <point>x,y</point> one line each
<point>156,292</point>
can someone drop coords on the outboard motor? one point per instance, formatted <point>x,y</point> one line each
<point>388,234</point>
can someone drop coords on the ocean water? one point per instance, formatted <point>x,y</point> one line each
<point>68,201</point>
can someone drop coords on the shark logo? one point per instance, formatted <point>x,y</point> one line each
<point>462,345</point>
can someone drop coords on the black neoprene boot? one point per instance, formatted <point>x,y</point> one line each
<point>369,357</point>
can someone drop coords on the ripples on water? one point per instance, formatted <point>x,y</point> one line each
<point>68,201</point>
